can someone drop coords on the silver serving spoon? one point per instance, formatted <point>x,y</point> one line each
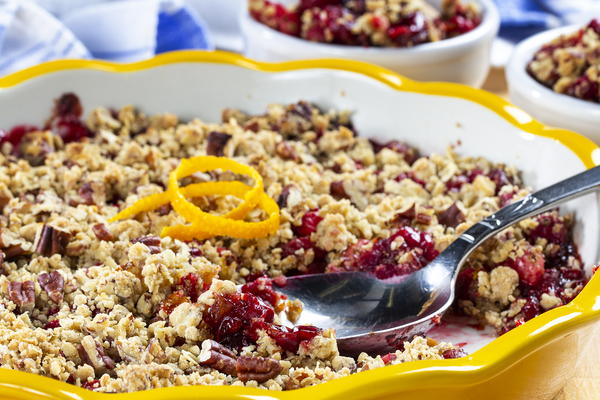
<point>373,315</point>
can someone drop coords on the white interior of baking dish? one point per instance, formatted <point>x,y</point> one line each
<point>429,122</point>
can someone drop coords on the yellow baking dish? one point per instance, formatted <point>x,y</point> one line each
<point>530,362</point>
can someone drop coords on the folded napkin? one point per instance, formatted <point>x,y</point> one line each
<point>116,30</point>
<point>522,18</point>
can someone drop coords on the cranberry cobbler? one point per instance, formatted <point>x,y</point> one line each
<point>113,307</point>
<point>382,23</point>
<point>570,64</point>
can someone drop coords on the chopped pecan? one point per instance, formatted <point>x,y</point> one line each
<point>217,356</point>
<point>215,143</point>
<point>12,251</point>
<point>407,216</point>
<point>452,216</point>
<point>151,242</point>
<point>53,283</point>
<point>289,197</point>
<point>86,192</point>
<point>102,232</point>
<point>286,151</point>
<point>337,190</point>
<point>92,353</point>
<point>422,218</point>
<point>22,294</point>
<point>52,241</point>
<point>257,369</point>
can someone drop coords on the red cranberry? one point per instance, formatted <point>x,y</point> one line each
<point>68,105</point>
<point>456,183</point>
<point>531,309</point>
<point>416,239</point>
<point>91,385</point>
<point>16,134</point>
<point>381,260</point>
<point>463,283</point>
<point>306,4</point>
<point>550,227</point>
<point>571,274</point>
<point>584,88</point>
<point>69,129</point>
<point>288,339</point>
<point>263,288</point>
<point>594,25</point>
<point>291,247</point>
<point>55,323</point>
<point>388,358</point>
<point>500,178</point>
<point>453,353</point>
<point>230,317</point>
<point>409,153</point>
<point>195,252</point>
<point>310,220</point>
<point>189,286</point>
<point>409,31</point>
<point>529,266</point>
<point>331,24</point>
<point>409,175</point>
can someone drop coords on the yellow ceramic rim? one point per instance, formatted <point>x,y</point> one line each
<point>475,368</point>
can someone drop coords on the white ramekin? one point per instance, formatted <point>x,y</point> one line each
<point>543,103</point>
<point>463,59</point>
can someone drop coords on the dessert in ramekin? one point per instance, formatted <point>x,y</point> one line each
<point>396,35</point>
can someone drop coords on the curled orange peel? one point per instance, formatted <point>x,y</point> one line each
<point>202,224</point>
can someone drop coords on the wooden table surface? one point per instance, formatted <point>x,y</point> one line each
<point>585,385</point>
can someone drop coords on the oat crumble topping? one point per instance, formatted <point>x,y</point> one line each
<point>114,308</point>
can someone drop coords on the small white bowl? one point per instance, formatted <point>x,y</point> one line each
<point>543,103</point>
<point>463,59</point>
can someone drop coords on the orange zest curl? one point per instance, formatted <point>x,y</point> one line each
<point>203,225</point>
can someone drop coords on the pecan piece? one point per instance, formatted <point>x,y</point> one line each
<point>92,353</point>
<point>407,216</point>
<point>337,190</point>
<point>286,151</point>
<point>102,233</point>
<point>22,294</point>
<point>217,356</point>
<point>52,241</point>
<point>257,369</point>
<point>151,242</point>
<point>53,283</point>
<point>290,196</point>
<point>452,216</point>
<point>215,143</point>
<point>86,192</point>
<point>13,251</point>
<point>422,218</point>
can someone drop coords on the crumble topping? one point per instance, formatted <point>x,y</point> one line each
<point>112,307</point>
<point>570,64</point>
<point>380,23</point>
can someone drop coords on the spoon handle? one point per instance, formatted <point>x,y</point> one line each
<point>535,203</point>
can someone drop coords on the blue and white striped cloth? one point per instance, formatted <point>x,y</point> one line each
<point>522,18</point>
<point>34,31</point>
